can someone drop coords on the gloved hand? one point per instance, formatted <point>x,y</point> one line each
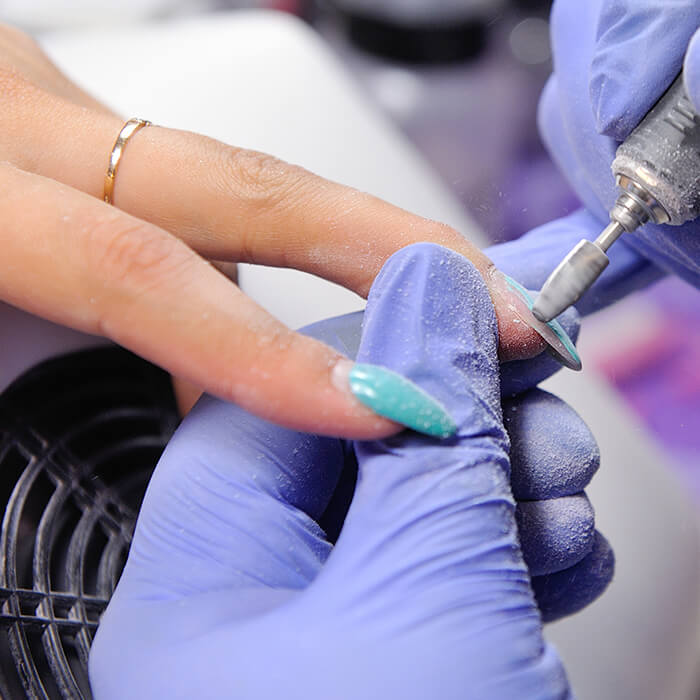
<point>613,59</point>
<point>233,589</point>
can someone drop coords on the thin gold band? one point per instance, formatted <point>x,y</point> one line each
<point>127,131</point>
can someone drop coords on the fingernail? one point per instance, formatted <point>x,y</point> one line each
<point>390,395</point>
<point>520,303</point>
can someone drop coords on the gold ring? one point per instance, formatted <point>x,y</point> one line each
<point>127,131</point>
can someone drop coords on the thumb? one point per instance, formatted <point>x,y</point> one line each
<point>430,542</point>
<point>429,318</point>
<point>691,71</point>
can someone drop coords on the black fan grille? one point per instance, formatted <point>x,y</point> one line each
<point>79,437</point>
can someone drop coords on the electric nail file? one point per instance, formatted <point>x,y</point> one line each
<point>658,169</point>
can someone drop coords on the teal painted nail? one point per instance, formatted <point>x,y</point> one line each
<point>399,399</point>
<point>567,354</point>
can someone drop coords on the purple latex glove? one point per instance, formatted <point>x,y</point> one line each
<point>233,589</point>
<point>612,61</point>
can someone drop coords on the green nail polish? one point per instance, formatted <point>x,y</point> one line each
<point>399,399</point>
<point>574,361</point>
<point>564,337</point>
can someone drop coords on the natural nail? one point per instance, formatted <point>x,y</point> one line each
<point>520,302</point>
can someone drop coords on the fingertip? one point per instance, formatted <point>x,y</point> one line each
<point>441,275</point>
<point>521,375</point>
<point>437,286</point>
<point>566,592</point>
<point>430,319</point>
<point>393,397</point>
<point>555,534</point>
<point>343,334</point>
<point>517,340</point>
<point>553,453</point>
<point>521,335</point>
<point>362,408</point>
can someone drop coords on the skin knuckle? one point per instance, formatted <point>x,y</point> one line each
<point>258,179</point>
<point>120,252</point>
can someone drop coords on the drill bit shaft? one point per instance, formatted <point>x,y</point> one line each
<point>575,274</point>
<point>609,235</point>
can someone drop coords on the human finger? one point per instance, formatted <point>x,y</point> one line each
<point>553,458</point>
<point>230,203</point>
<point>555,534</point>
<point>430,539</point>
<point>520,375</point>
<point>566,592</point>
<point>552,451</point>
<point>74,260</point>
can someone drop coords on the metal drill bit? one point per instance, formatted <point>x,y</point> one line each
<point>575,274</point>
<point>657,169</point>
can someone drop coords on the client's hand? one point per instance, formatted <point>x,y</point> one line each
<point>233,588</point>
<point>138,272</point>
